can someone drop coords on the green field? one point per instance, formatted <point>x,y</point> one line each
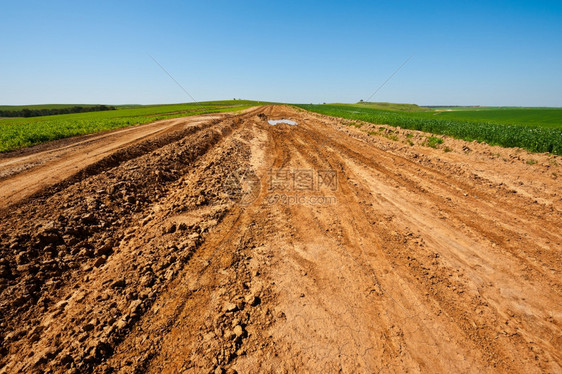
<point>535,117</point>
<point>535,129</point>
<point>23,132</point>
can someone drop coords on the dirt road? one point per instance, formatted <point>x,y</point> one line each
<point>27,172</point>
<point>231,245</point>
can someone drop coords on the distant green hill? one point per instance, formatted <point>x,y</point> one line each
<point>392,106</point>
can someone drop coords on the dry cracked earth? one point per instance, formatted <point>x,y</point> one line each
<point>223,244</point>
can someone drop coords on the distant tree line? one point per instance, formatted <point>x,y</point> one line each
<point>52,111</point>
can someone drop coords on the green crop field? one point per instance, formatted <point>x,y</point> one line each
<point>535,129</point>
<point>535,117</point>
<point>23,132</point>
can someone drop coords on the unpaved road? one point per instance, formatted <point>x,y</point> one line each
<point>27,172</point>
<point>231,245</point>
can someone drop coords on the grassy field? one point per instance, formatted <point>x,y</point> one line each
<point>534,117</point>
<point>535,129</point>
<point>23,132</point>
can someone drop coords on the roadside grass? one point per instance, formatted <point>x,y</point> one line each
<point>354,124</point>
<point>433,141</point>
<point>24,132</point>
<point>540,129</point>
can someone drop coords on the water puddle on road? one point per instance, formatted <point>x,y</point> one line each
<point>278,121</point>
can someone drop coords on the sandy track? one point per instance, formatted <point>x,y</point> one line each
<point>193,253</point>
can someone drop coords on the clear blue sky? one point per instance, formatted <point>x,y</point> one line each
<point>464,52</point>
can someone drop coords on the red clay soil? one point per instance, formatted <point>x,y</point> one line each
<point>223,244</point>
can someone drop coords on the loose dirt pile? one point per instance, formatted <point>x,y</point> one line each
<point>223,244</point>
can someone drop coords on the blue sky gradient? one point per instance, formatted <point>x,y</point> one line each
<point>464,53</point>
